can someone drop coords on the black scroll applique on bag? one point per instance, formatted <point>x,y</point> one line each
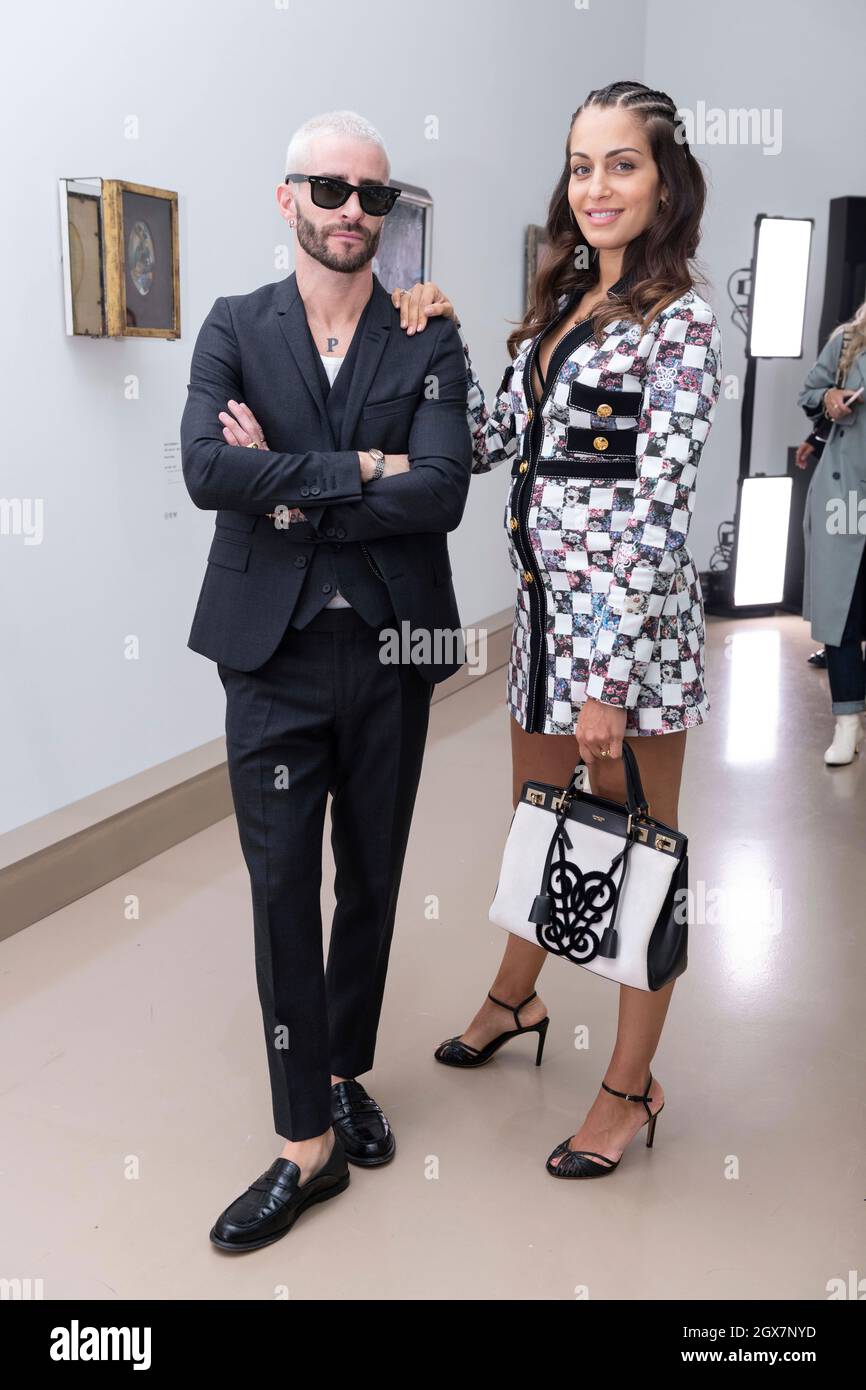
<point>571,902</point>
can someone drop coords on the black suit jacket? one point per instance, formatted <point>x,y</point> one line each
<point>407,396</point>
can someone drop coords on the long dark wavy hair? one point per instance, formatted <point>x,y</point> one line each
<point>658,259</point>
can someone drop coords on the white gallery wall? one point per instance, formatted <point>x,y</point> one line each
<point>202,99</point>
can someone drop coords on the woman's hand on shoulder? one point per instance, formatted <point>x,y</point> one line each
<point>425,300</point>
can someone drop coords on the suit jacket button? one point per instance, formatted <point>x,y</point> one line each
<point>300,561</point>
<point>331,531</point>
<point>314,491</point>
<point>305,492</point>
<point>326,588</point>
<point>341,531</point>
<point>836,476</point>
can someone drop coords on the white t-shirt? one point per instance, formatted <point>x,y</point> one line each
<point>332,365</point>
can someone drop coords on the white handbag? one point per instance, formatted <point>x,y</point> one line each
<point>600,884</point>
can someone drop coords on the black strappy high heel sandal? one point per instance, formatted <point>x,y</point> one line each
<point>455,1053</point>
<point>579,1163</point>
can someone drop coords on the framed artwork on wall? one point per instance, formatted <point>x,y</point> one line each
<point>537,246</point>
<point>121,265</point>
<point>405,245</point>
<point>142,264</point>
<point>81,235</point>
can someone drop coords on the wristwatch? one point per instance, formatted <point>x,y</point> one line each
<point>379,458</point>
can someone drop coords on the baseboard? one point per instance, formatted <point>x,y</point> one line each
<point>73,851</point>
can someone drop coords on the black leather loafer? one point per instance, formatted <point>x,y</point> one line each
<point>272,1204</point>
<point>367,1137</point>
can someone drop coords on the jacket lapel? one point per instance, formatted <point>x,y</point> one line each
<point>380,317</point>
<point>293,324</point>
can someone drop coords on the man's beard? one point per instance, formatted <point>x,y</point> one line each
<point>315,242</point>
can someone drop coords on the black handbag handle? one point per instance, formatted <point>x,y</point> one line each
<point>634,794</point>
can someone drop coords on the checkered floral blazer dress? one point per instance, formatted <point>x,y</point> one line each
<point>603,472</point>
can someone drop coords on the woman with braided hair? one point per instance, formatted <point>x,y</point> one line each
<point>602,416</point>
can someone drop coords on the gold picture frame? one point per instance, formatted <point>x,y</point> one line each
<point>141,260</point>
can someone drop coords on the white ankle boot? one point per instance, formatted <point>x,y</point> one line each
<point>847,737</point>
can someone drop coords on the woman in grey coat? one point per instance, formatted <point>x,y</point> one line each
<point>834,528</point>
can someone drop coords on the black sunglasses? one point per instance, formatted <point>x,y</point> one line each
<point>376,199</point>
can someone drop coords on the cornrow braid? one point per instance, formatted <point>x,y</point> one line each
<point>634,96</point>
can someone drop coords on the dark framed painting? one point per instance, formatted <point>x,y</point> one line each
<point>405,245</point>
<point>141,260</point>
<point>537,247</point>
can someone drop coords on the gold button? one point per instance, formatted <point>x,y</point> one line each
<point>529,413</point>
<point>604,411</point>
<point>513,523</point>
<point>523,467</point>
<point>527,577</point>
<point>600,442</point>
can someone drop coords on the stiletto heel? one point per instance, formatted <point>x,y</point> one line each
<point>579,1163</point>
<point>455,1053</point>
<point>651,1131</point>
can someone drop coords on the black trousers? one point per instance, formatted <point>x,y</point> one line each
<point>846,671</point>
<point>323,714</point>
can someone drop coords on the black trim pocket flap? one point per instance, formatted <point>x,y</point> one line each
<point>613,443</point>
<point>612,470</point>
<point>584,397</point>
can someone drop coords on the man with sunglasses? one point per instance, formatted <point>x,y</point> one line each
<point>336,453</point>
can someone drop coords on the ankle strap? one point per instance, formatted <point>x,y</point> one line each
<point>515,1008</point>
<point>624,1094</point>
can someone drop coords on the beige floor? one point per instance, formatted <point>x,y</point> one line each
<point>134,1096</point>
